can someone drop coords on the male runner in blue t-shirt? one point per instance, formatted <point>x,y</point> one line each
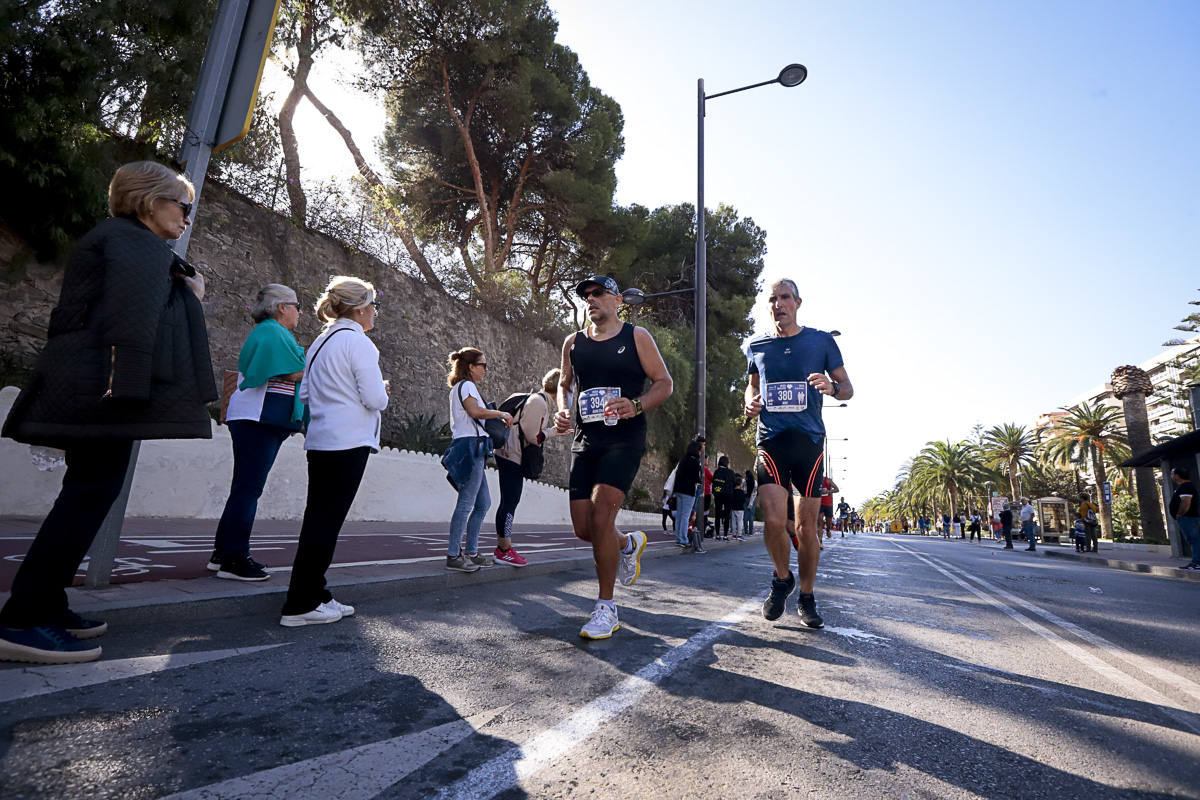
<point>790,370</point>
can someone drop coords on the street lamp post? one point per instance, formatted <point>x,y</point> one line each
<point>791,75</point>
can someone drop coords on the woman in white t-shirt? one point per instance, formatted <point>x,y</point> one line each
<point>467,413</point>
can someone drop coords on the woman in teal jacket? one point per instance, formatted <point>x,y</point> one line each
<point>263,412</point>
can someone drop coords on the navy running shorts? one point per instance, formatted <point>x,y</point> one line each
<point>612,466</point>
<point>792,459</point>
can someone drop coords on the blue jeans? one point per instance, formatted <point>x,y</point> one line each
<point>255,446</point>
<point>1028,529</point>
<point>683,512</point>
<point>748,518</point>
<point>473,504</point>
<point>1190,528</point>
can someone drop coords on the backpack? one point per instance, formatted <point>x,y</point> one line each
<point>533,459</point>
<point>1091,516</point>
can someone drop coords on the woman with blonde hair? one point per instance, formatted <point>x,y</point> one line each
<point>126,358</point>
<point>345,393</point>
<point>469,449</point>
<point>263,412</point>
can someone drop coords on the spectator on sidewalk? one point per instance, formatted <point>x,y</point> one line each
<point>1186,512</point>
<point>127,303</point>
<point>1079,535</point>
<point>722,490</point>
<point>346,394</point>
<point>1090,514</point>
<point>687,478</point>
<point>469,439</point>
<point>751,489</point>
<point>668,501</point>
<point>1006,524</point>
<point>1028,526</point>
<point>737,504</point>
<point>529,429</point>
<point>263,412</point>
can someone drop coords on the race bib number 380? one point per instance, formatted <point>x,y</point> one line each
<point>591,402</point>
<point>786,396</point>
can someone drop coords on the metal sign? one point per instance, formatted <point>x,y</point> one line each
<point>1106,487</point>
<point>254,46</point>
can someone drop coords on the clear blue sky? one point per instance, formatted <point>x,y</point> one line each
<point>997,203</point>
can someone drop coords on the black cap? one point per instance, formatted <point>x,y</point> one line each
<point>603,281</point>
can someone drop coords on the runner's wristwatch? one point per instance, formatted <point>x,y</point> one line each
<point>637,405</point>
<point>837,387</point>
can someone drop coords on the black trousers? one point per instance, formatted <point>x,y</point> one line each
<point>511,484</point>
<point>95,473</point>
<point>723,512</point>
<point>333,479</point>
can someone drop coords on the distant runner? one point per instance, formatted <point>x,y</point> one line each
<point>789,372</point>
<point>609,361</point>
<point>828,487</point>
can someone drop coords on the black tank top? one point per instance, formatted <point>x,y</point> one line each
<point>612,363</point>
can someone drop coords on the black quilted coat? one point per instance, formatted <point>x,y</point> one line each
<point>127,351</point>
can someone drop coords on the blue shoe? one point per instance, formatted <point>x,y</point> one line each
<point>47,644</point>
<point>82,628</point>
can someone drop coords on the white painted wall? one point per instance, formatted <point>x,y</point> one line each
<point>190,478</point>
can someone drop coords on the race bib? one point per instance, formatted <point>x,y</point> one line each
<point>591,402</point>
<point>786,396</point>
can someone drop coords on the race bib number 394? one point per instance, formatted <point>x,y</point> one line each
<point>591,402</point>
<point>786,396</point>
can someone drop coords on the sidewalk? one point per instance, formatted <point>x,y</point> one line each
<point>1129,560</point>
<point>160,569</point>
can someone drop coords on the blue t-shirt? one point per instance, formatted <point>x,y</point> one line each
<point>783,365</point>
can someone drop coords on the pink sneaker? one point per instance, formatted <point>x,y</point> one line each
<point>510,557</point>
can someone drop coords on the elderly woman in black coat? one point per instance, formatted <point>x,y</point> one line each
<point>126,358</point>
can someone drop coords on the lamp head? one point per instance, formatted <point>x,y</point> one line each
<point>793,74</point>
<point>634,297</point>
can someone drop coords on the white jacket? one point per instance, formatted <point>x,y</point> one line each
<point>344,390</point>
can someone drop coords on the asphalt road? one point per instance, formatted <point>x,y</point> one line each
<point>945,670</point>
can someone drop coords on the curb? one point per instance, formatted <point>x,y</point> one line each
<point>162,601</point>
<point>1159,570</point>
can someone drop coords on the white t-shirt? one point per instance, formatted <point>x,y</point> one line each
<point>461,423</point>
<point>1026,513</point>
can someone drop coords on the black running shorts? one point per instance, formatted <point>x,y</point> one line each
<point>827,511</point>
<point>792,459</point>
<point>612,466</point>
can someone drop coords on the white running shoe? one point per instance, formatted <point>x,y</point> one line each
<point>320,615</point>
<point>631,563</point>
<point>602,624</point>
<point>347,611</point>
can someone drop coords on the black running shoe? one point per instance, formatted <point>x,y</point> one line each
<point>781,588</point>
<point>808,611</point>
<point>242,569</point>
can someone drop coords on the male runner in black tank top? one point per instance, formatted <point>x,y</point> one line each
<point>609,361</point>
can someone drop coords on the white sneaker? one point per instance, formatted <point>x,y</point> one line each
<point>631,563</point>
<point>346,611</point>
<point>318,616</point>
<point>602,624</point>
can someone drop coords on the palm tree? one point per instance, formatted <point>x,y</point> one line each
<point>947,470</point>
<point>1131,385</point>
<point>1093,432</point>
<point>1010,447</point>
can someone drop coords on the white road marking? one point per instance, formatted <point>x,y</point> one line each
<point>856,634</point>
<point>507,769</point>
<point>1146,694</point>
<point>358,773</point>
<point>19,684</point>
<point>1142,663</point>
